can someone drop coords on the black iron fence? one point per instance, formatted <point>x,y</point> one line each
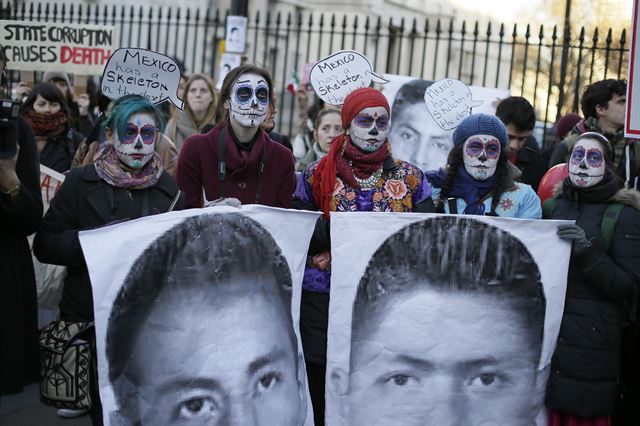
<point>549,66</point>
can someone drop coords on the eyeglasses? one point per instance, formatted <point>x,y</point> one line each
<point>147,133</point>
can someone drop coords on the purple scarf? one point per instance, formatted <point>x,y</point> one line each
<point>111,170</point>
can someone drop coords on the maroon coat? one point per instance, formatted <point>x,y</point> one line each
<point>198,169</point>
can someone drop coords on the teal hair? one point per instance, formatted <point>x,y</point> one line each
<point>128,105</point>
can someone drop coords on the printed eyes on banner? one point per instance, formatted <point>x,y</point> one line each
<point>449,101</point>
<point>340,73</point>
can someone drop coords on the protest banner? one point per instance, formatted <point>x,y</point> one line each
<point>45,46</point>
<point>50,182</point>
<point>632,120</point>
<point>142,72</point>
<point>339,74</point>
<point>424,115</point>
<point>442,319</point>
<point>236,34</point>
<point>197,317</point>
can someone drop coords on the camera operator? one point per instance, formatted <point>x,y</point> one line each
<point>20,216</point>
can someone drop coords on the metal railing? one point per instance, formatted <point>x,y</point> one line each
<point>527,61</point>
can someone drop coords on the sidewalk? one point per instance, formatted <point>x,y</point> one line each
<point>25,409</point>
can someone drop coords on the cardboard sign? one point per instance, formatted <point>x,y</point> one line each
<point>339,74</point>
<point>236,36</point>
<point>45,46</point>
<point>449,101</point>
<point>228,61</point>
<point>142,72</point>
<point>50,182</point>
<point>442,319</point>
<point>632,121</point>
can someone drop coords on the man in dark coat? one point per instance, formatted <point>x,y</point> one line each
<point>519,117</point>
<point>20,215</point>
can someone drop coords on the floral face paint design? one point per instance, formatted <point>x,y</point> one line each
<point>249,101</point>
<point>480,156</point>
<point>135,144</point>
<point>369,129</point>
<point>586,165</point>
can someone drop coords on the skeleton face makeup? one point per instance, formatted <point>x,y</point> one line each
<point>480,156</point>
<point>369,129</point>
<point>249,101</point>
<point>135,144</point>
<point>587,165</point>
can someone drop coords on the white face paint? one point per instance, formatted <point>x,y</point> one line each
<point>369,129</point>
<point>249,101</point>
<point>135,144</point>
<point>586,165</point>
<point>480,156</point>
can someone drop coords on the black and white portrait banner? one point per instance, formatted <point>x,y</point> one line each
<point>442,319</point>
<point>196,317</point>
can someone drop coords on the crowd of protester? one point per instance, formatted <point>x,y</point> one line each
<point>121,163</point>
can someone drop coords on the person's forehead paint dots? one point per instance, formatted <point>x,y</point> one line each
<point>446,331</point>
<point>230,356</point>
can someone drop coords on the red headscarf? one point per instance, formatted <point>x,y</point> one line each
<point>324,179</point>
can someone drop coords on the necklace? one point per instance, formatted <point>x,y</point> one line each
<point>369,182</point>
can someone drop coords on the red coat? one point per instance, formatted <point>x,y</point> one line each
<point>198,169</point>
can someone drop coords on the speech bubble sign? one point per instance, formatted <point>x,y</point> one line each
<point>339,74</point>
<point>141,72</point>
<point>449,101</point>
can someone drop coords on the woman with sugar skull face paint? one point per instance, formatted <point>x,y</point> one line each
<point>477,178</point>
<point>602,285</point>
<point>236,162</point>
<point>357,174</point>
<point>126,181</point>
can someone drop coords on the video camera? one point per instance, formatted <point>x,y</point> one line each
<point>8,127</point>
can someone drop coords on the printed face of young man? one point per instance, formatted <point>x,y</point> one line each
<point>219,356</point>
<point>587,164</point>
<point>369,129</point>
<point>415,137</point>
<point>249,101</point>
<point>136,143</point>
<point>444,359</point>
<point>480,155</point>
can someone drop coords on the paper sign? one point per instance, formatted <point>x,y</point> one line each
<point>50,182</point>
<point>236,36</point>
<point>142,72</point>
<point>449,101</point>
<point>335,76</point>
<point>305,77</point>
<point>228,61</point>
<point>43,46</point>
<point>632,121</point>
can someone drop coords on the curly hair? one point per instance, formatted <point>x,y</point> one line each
<point>504,180</point>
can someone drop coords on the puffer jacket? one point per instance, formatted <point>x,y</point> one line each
<point>602,294</point>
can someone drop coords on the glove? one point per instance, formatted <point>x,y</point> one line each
<point>231,202</point>
<point>575,234</point>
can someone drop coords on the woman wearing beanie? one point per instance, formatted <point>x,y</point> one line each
<point>602,288</point>
<point>358,174</point>
<point>126,181</point>
<point>477,179</point>
<point>47,113</point>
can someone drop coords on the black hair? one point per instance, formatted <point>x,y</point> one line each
<point>50,92</point>
<point>503,178</point>
<point>599,94</point>
<point>518,111</point>
<point>451,254</point>
<point>410,94</point>
<point>205,250</point>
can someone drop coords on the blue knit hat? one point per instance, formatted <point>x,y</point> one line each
<point>481,124</point>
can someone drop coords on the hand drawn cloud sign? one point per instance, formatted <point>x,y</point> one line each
<point>449,101</point>
<point>337,75</point>
<point>141,72</point>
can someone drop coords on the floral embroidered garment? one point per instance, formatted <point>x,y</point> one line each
<point>399,189</point>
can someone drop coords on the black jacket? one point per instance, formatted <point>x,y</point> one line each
<point>19,217</point>
<point>531,163</point>
<point>59,151</point>
<point>601,286</point>
<point>85,201</point>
